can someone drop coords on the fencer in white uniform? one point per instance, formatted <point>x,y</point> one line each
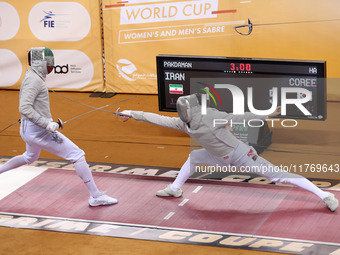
<point>221,147</point>
<point>39,131</point>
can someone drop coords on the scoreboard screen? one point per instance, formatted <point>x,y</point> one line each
<point>270,80</point>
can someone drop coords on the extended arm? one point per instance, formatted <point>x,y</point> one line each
<point>155,119</point>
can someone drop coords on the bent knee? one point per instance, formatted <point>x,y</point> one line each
<point>197,155</point>
<point>75,155</point>
<point>79,160</point>
<point>31,157</point>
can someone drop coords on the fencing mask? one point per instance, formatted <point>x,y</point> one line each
<point>184,106</point>
<point>41,60</point>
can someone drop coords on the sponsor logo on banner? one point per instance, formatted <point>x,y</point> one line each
<point>73,69</point>
<point>176,88</point>
<point>128,71</point>
<point>9,21</point>
<point>163,12</point>
<point>126,68</point>
<point>47,20</point>
<point>10,68</point>
<point>58,69</point>
<point>59,21</point>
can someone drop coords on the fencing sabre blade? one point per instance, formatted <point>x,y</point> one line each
<point>250,25</point>
<point>61,123</point>
<point>75,101</point>
<point>97,109</point>
<point>10,125</point>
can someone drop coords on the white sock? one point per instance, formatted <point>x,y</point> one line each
<point>182,176</point>
<point>85,174</point>
<point>13,163</point>
<point>290,178</point>
<point>308,185</point>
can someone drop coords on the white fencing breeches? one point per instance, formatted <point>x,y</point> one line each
<point>243,158</point>
<point>37,138</point>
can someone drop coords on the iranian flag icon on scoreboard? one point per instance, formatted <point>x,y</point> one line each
<point>176,88</point>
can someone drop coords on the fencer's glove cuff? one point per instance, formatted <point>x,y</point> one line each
<point>52,126</point>
<point>137,115</point>
<point>127,113</point>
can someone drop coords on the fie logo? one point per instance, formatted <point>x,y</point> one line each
<point>47,22</point>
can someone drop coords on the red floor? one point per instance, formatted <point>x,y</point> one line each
<point>218,206</point>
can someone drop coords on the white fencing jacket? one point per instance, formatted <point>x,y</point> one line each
<point>34,103</point>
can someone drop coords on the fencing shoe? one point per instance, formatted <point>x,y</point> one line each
<point>331,202</point>
<point>102,200</point>
<point>168,192</point>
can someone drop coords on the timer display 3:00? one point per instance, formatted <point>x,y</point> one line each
<point>240,67</point>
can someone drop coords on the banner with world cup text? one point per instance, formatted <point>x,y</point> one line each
<point>136,31</point>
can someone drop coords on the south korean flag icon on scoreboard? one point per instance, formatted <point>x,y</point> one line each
<point>302,95</point>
